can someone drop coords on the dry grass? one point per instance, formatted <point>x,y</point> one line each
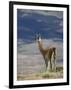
<point>43,75</point>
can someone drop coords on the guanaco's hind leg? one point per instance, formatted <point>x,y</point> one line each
<point>50,65</point>
<point>54,60</point>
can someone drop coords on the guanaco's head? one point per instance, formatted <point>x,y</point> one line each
<point>38,37</point>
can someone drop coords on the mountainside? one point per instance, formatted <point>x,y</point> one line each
<point>30,23</point>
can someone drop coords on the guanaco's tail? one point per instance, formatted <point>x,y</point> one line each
<point>54,50</point>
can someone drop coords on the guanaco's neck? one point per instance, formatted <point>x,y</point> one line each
<point>40,45</point>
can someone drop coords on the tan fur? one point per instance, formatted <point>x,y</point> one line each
<point>47,52</point>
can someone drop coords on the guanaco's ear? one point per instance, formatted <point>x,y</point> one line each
<point>36,36</point>
<point>39,35</point>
